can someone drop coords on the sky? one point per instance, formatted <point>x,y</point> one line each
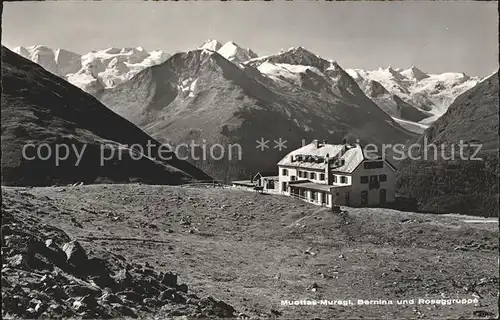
<point>434,36</point>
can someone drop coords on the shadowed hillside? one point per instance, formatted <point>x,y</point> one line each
<point>465,186</point>
<point>41,108</point>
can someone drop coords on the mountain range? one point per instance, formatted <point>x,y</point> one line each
<point>230,50</point>
<point>95,70</point>
<point>204,97</point>
<point>225,94</point>
<point>412,97</point>
<point>412,94</point>
<point>446,181</point>
<point>471,118</point>
<point>40,108</point>
<point>228,96</point>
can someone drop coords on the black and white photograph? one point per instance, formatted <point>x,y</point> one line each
<point>250,160</point>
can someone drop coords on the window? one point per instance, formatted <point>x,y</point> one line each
<point>284,187</point>
<point>285,172</point>
<point>293,178</point>
<point>313,175</point>
<point>374,183</point>
<point>321,176</point>
<point>313,195</point>
<point>374,165</point>
<point>382,196</point>
<point>364,179</point>
<point>364,198</point>
<point>382,177</point>
<point>334,178</point>
<point>300,174</point>
<point>270,184</point>
<point>343,179</point>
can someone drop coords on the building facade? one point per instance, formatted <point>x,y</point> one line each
<point>344,174</point>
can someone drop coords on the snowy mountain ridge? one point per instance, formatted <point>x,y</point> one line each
<point>230,50</point>
<point>97,69</point>
<point>200,95</point>
<point>405,94</point>
<point>428,92</point>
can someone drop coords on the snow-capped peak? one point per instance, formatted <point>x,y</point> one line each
<point>294,56</point>
<point>414,73</point>
<point>235,53</point>
<point>111,50</point>
<point>67,62</point>
<point>22,51</point>
<point>395,73</point>
<point>156,57</point>
<point>44,56</point>
<point>301,51</point>
<point>210,44</point>
<point>429,92</point>
<point>38,47</point>
<point>96,68</point>
<point>355,74</point>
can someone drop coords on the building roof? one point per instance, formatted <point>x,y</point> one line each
<point>307,184</point>
<point>271,177</point>
<point>351,154</point>
<point>312,186</point>
<point>257,175</point>
<point>246,183</point>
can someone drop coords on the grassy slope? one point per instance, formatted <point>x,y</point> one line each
<point>250,249</point>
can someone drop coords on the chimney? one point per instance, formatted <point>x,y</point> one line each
<point>316,143</point>
<point>344,142</point>
<point>325,142</point>
<point>251,177</point>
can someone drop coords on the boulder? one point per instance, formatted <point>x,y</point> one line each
<point>169,279</point>
<point>75,254</point>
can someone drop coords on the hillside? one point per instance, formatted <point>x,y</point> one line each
<point>465,186</point>
<point>40,108</point>
<point>201,96</point>
<point>391,103</point>
<point>250,251</point>
<point>472,117</point>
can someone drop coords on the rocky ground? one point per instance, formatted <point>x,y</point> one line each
<point>112,251</point>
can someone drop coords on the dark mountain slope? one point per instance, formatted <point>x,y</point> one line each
<point>391,103</point>
<point>202,97</point>
<point>41,108</point>
<point>473,116</point>
<point>467,184</point>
